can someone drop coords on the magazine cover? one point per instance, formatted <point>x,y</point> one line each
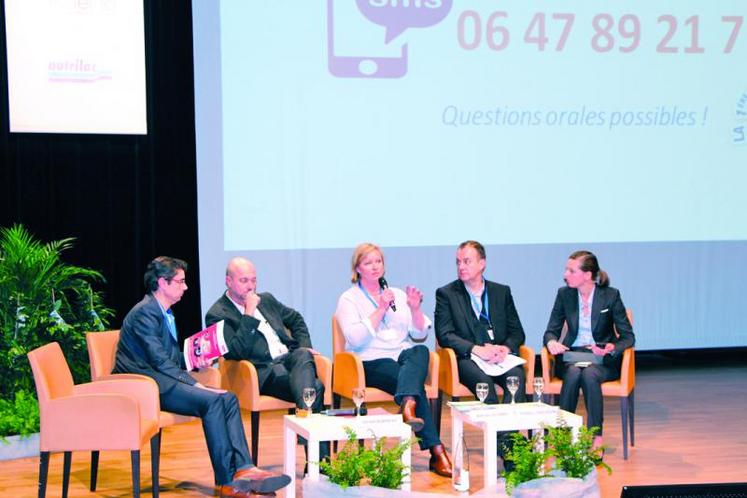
<point>202,348</point>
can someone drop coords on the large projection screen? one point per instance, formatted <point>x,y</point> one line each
<point>76,66</point>
<point>537,128</point>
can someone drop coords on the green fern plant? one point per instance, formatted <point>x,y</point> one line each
<point>356,464</point>
<point>43,299</point>
<point>574,459</point>
<point>528,464</point>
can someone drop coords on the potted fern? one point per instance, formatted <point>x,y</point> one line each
<point>42,299</point>
<point>357,471</point>
<point>563,467</point>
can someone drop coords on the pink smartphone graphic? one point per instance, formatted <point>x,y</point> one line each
<point>349,33</point>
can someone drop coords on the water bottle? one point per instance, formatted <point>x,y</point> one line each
<point>460,469</point>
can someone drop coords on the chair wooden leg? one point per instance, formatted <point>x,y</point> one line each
<point>135,458</point>
<point>255,438</point>
<point>94,469</point>
<point>66,472</point>
<point>155,460</point>
<point>436,412</point>
<point>624,417</point>
<point>631,414</point>
<point>43,471</point>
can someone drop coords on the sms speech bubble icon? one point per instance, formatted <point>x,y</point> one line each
<point>398,15</point>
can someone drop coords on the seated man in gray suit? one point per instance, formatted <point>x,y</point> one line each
<point>148,346</point>
<point>272,336</point>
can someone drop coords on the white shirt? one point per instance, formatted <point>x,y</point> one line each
<point>584,337</point>
<point>274,344</point>
<point>394,334</point>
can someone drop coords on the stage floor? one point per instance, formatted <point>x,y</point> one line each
<point>689,428</point>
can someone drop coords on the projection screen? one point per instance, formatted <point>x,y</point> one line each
<point>537,128</point>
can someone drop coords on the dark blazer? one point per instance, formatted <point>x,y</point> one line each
<point>607,313</point>
<point>146,347</point>
<point>246,342</point>
<point>458,328</point>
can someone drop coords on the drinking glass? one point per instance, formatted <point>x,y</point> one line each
<point>359,394</point>
<point>482,391</point>
<point>539,386</point>
<point>512,383</point>
<point>309,396</point>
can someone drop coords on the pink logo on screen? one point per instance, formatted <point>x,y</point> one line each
<point>76,71</point>
<point>395,16</point>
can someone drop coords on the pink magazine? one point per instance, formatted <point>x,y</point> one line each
<point>202,348</point>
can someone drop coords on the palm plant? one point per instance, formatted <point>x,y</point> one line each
<point>43,299</point>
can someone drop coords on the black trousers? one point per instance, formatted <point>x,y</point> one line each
<point>589,380</point>
<point>221,423</point>
<point>470,374</point>
<point>406,377</point>
<point>290,374</point>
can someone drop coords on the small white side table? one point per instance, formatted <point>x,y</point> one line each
<point>492,419</point>
<point>317,428</point>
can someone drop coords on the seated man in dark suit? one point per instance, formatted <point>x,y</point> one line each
<point>476,316</point>
<point>272,336</point>
<point>148,346</point>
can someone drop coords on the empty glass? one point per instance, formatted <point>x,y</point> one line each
<point>309,396</point>
<point>512,383</point>
<point>481,389</point>
<point>359,394</point>
<point>539,386</point>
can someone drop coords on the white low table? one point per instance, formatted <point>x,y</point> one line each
<point>492,419</point>
<point>317,428</point>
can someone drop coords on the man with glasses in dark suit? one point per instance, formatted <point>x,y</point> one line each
<point>148,346</point>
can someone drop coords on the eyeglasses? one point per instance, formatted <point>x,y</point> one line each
<point>180,281</point>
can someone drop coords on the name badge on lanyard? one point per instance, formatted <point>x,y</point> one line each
<point>490,333</point>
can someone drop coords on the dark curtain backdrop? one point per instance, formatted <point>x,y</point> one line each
<point>126,199</point>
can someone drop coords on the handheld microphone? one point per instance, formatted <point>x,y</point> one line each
<point>383,285</point>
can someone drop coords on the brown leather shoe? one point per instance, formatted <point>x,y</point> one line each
<point>228,491</point>
<point>257,480</point>
<point>407,409</point>
<point>440,462</point>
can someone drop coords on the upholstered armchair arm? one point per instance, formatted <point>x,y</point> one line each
<point>121,377</point>
<point>348,374</point>
<point>548,362</point>
<point>324,372</point>
<point>527,353</point>
<point>143,390</point>
<point>210,377</point>
<point>627,371</point>
<point>93,422</point>
<point>243,381</point>
<point>448,374</point>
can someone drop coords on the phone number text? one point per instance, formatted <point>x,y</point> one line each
<point>609,33</point>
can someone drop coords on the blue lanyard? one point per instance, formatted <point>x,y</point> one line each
<point>485,308</point>
<point>376,305</point>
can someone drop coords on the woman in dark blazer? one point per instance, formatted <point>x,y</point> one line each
<point>597,323</point>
